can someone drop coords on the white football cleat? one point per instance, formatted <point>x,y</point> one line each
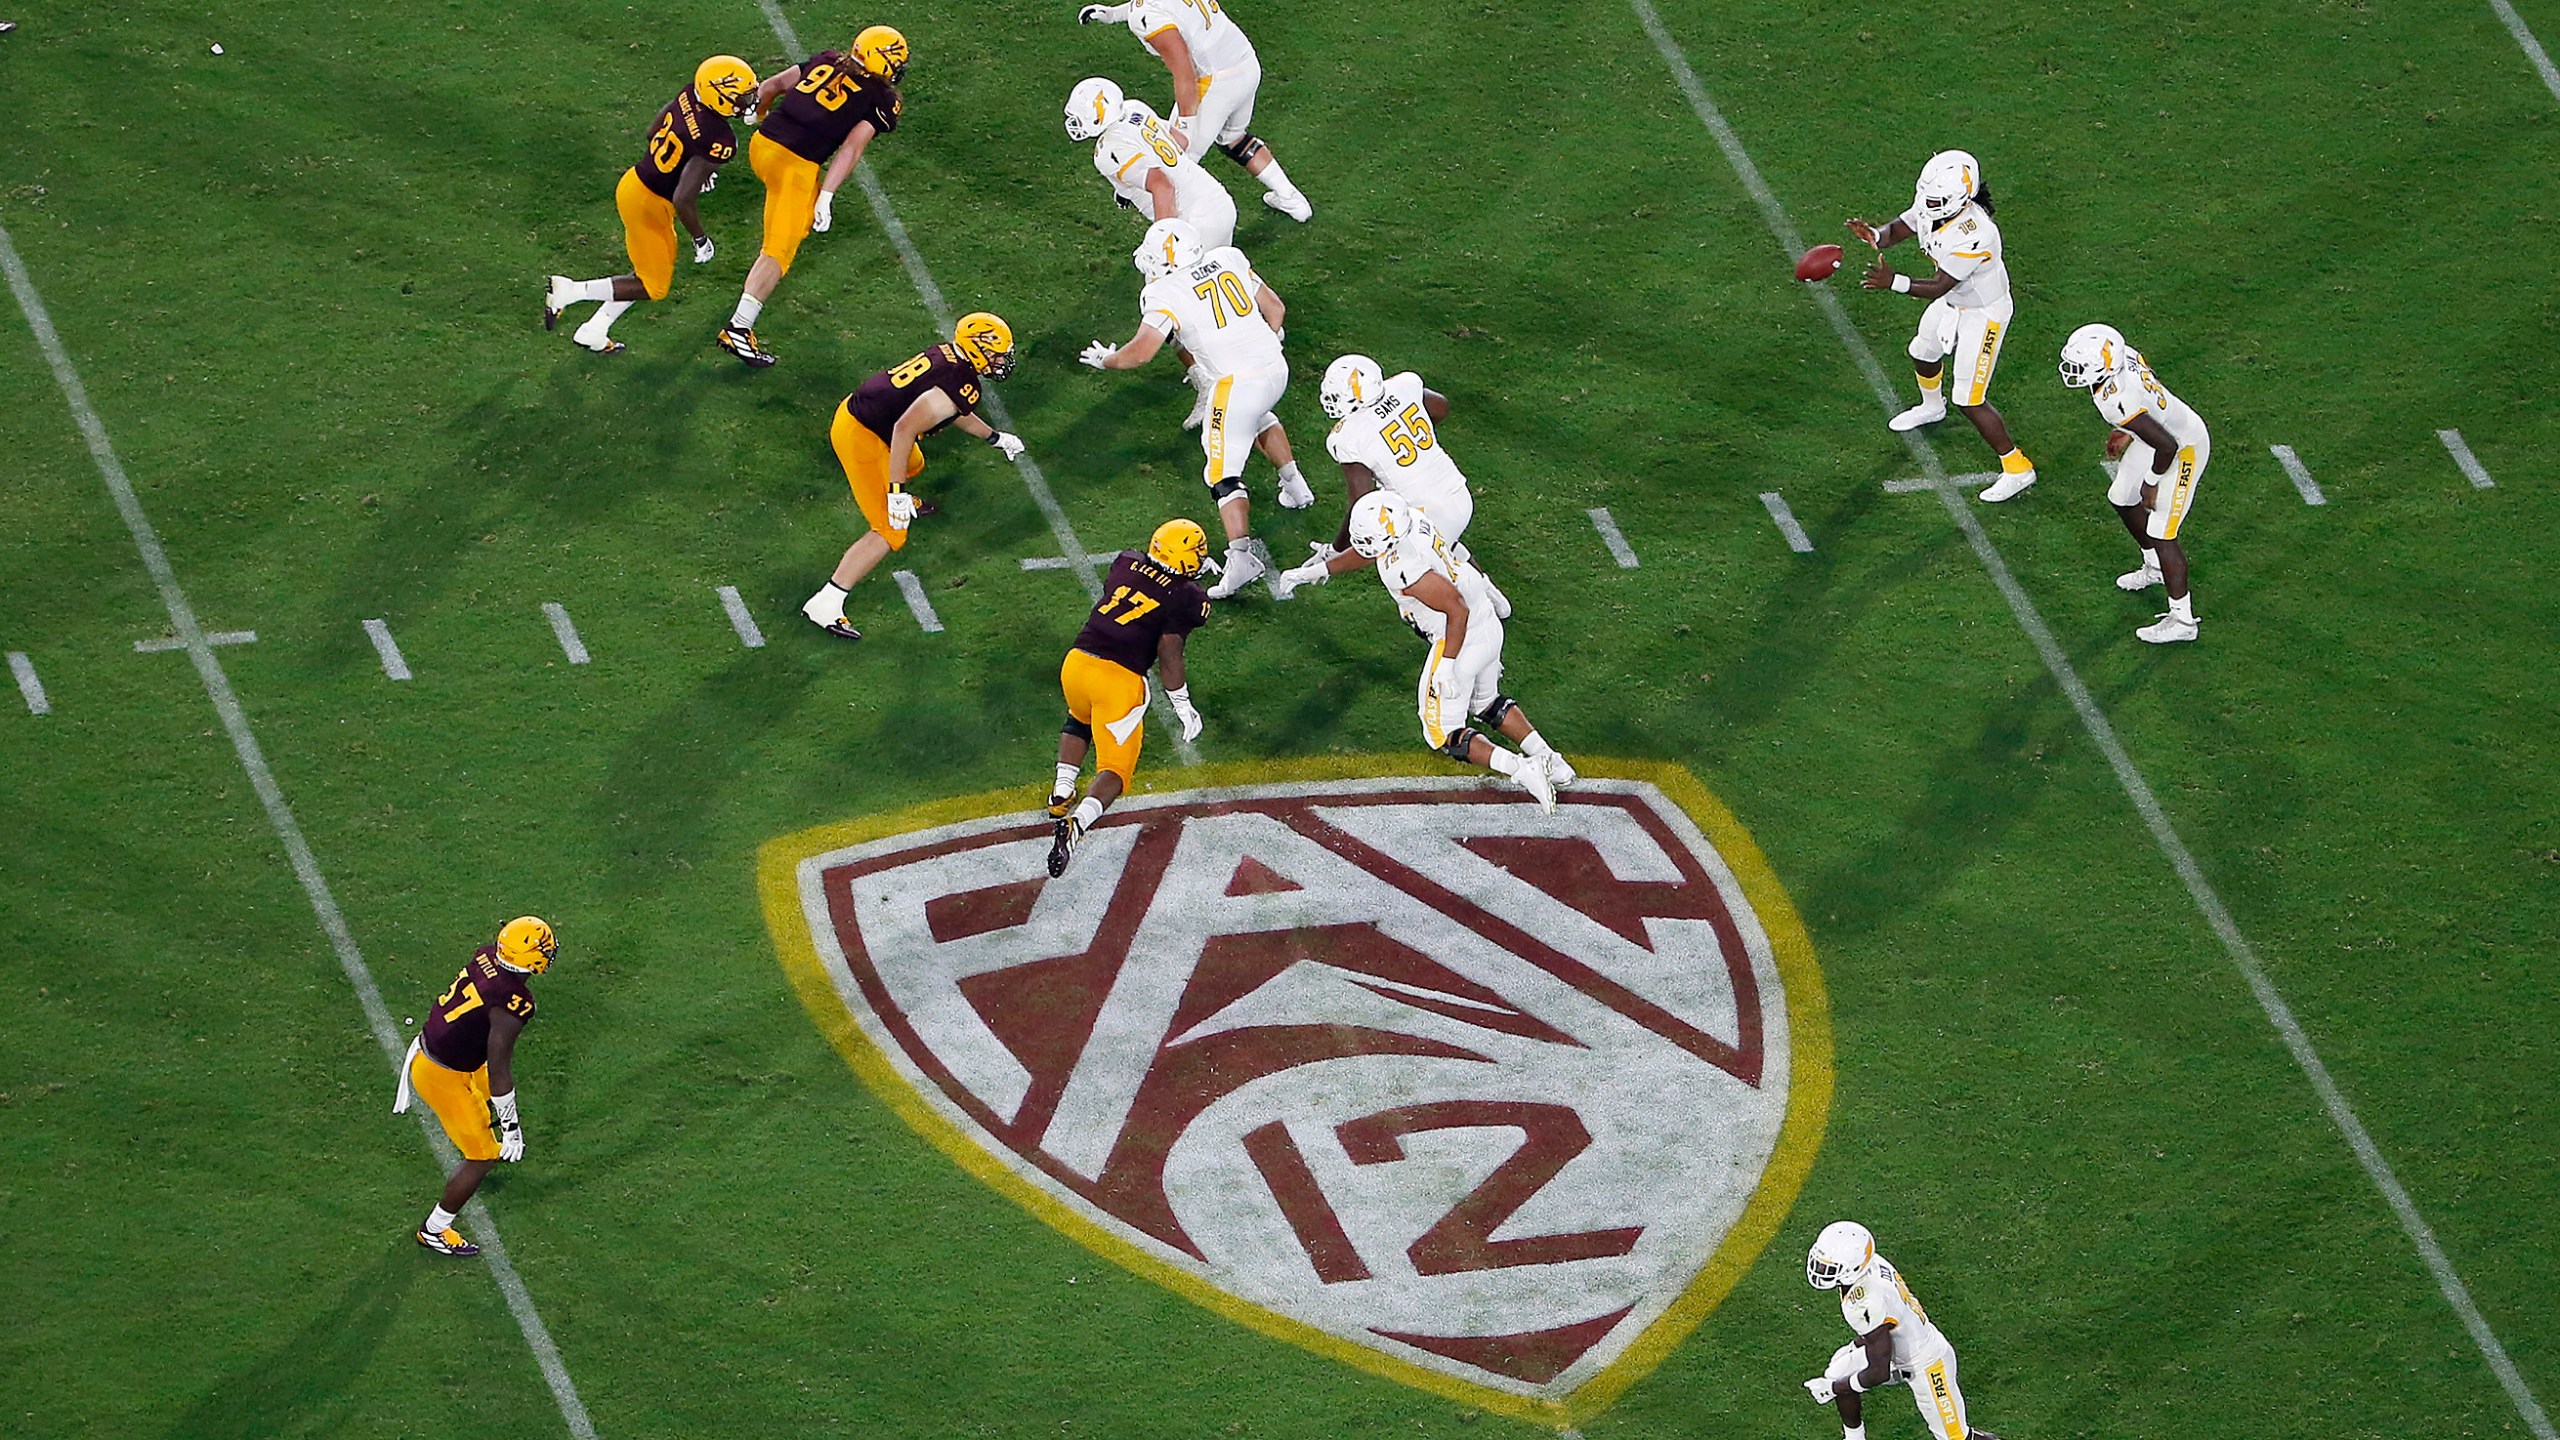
<point>1532,777</point>
<point>2168,630</point>
<point>1244,566</point>
<point>1292,204</point>
<point>2009,487</point>
<point>1296,493</point>
<point>1560,772</point>
<point>562,294</point>
<point>2142,579</point>
<point>1927,412</point>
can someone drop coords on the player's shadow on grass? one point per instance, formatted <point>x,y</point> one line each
<point>288,1391</point>
<point>655,805</point>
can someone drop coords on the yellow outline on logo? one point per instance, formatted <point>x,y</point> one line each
<point>1799,1137</point>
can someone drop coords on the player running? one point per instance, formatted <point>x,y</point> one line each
<point>2160,447</point>
<point>690,141</point>
<point>1383,435</point>
<point>1451,603</point>
<point>1150,604</point>
<point>1230,320</point>
<point>1969,305</point>
<point>830,107</point>
<point>463,1065</point>
<point>875,433</point>
<point>1215,77</point>
<point>1896,1344</point>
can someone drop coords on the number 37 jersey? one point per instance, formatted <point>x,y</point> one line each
<point>1141,603</point>
<point>1391,434</point>
<point>457,1029</point>
<point>1209,306</point>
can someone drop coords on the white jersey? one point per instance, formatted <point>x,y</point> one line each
<point>1966,248</point>
<point>1214,41</point>
<point>1419,552</point>
<point>1392,435</point>
<point>1882,1299</point>
<point>1209,306</point>
<point>2133,391</point>
<point>1137,145</point>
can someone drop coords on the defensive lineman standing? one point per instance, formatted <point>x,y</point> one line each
<point>1150,604</point>
<point>1383,434</point>
<point>1969,305</point>
<point>1896,1344</point>
<point>463,1065</point>
<point>2163,447</point>
<point>1215,76</point>
<point>1230,322</point>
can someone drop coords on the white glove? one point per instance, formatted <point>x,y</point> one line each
<point>1820,1388</point>
<point>1182,131</point>
<point>826,212</point>
<point>746,116</point>
<point>710,182</point>
<point>902,509</point>
<point>1444,683</point>
<point>1097,15</point>
<point>1010,444</point>
<point>1314,572</point>
<point>702,251</point>
<point>1098,354</point>
<point>1180,699</point>
<point>510,1128</point>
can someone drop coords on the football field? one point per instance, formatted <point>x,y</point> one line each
<point>2180,1018</point>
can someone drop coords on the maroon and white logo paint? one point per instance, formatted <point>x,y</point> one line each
<point>1402,1061</point>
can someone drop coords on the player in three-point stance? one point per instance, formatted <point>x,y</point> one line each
<point>1449,602</point>
<point>1150,604</point>
<point>463,1064</point>
<point>1218,308</point>
<point>875,433</point>
<point>1896,1344</point>
<point>1969,305</point>
<point>690,139</point>
<point>1384,434</point>
<point>823,111</point>
<point>1215,77</point>
<point>2160,447</point>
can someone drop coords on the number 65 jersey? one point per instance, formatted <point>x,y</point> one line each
<point>1392,435</point>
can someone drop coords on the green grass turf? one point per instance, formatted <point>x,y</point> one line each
<point>299,280</point>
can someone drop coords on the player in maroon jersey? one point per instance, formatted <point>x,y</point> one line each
<point>463,1065</point>
<point>1150,605</point>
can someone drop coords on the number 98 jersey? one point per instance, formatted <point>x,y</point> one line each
<point>1392,435</point>
<point>1141,603</point>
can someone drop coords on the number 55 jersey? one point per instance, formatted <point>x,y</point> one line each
<point>1391,434</point>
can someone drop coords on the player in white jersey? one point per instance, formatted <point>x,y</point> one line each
<point>2160,447</point>
<point>1969,305</point>
<point>1139,157</point>
<point>1215,77</point>
<point>1452,604</point>
<point>1229,321</point>
<point>1384,433</point>
<point>1896,1344</point>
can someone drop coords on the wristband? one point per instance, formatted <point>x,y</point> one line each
<point>1901,284</point>
<point>505,1105</point>
<point>1180,695</point>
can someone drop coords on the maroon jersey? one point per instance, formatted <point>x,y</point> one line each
<point>457,1030</point>
<point>687,130</point>
<point>1141,603</point>
<point>885,396</point>
<point>835,93</point>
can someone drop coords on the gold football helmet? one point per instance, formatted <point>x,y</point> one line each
<point>986,342</point>
<point>527,944</point>
<point>724,82</point>
<point>1179,546</point>
<point>882,51</point>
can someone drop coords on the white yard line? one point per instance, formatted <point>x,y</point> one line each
<point>918,604</point>
<point>30,689</point>
<point>567,631</point>
<point>1612,537</point>
<point>2102,732</point>
<point>2472,469</point>
<point>739,619</point>
<point>1923,485</point>
<point>1061,562</point>
<point>212,637</point>
<point>1797,540</point>
<point>306,867</point>
<point>387,649</point>
<point>2532,48</point>
<point>2300,473</point>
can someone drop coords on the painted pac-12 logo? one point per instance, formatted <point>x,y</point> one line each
<point>1398,1067</point>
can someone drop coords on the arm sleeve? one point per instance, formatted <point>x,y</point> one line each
<point>1161,322</point>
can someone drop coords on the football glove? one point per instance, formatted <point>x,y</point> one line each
<point>825,214</point>
<point>1010,444</point>
<point>710,183</point>
<point>1820,1388</point>
<point>1180,698</point>
<point>1182,131</point>
<point>702,251</point>
<point>1098,354</point>
<point>1097,15</point>
<point>510,1128</point>
<point>902,509</point>
<point>1446,684</point>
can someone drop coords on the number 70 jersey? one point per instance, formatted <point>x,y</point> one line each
<point>1209,305</point>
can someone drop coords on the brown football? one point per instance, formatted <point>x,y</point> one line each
<point>1819,263</point>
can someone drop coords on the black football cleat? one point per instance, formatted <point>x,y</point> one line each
<point>1062,803</point>
<point>841,629</point>
<point>744,345</point>
<point>447,1241</point>
<point>1070,834</point>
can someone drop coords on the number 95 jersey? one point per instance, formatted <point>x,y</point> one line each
<point>1392,435</point>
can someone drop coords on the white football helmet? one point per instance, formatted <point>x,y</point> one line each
<point>1377,518</point>
<point>2091,355</point>
<point>1841,1256</point>
<point>1170,245</point>
<point>1349,383</point>
<point>1948,183</point>
<point>1093,104</point>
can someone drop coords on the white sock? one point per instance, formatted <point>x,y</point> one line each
<point>1066,779</point>
<point>1504,762</point>
<point>2183,607</point>
<point>744,317</point>
<point>597,290</point>
<point>1853,1432</point>
<point>1275,179</point>
<point>438,1220</point>
<point>1088,812</point>
<point>1536,744</point>
<point>599,326</point>
<point>827,606</point>
<point>2150,559</point>
<point>1289,473</point>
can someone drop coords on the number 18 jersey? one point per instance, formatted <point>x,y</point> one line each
<point>1209,306</point>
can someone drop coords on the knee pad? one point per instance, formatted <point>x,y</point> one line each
<point>1227,489</point>
<point>1924,349</point>
<point>1078,729</point>
<point>1244,148</point>
<point>1459,743</point>
<point>1492,715</point>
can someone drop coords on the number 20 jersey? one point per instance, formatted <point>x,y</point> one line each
<point>1209,306</point>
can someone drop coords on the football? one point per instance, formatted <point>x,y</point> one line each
<point>1818,264</point>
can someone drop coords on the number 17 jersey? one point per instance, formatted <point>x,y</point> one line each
<point>1142,602</point>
